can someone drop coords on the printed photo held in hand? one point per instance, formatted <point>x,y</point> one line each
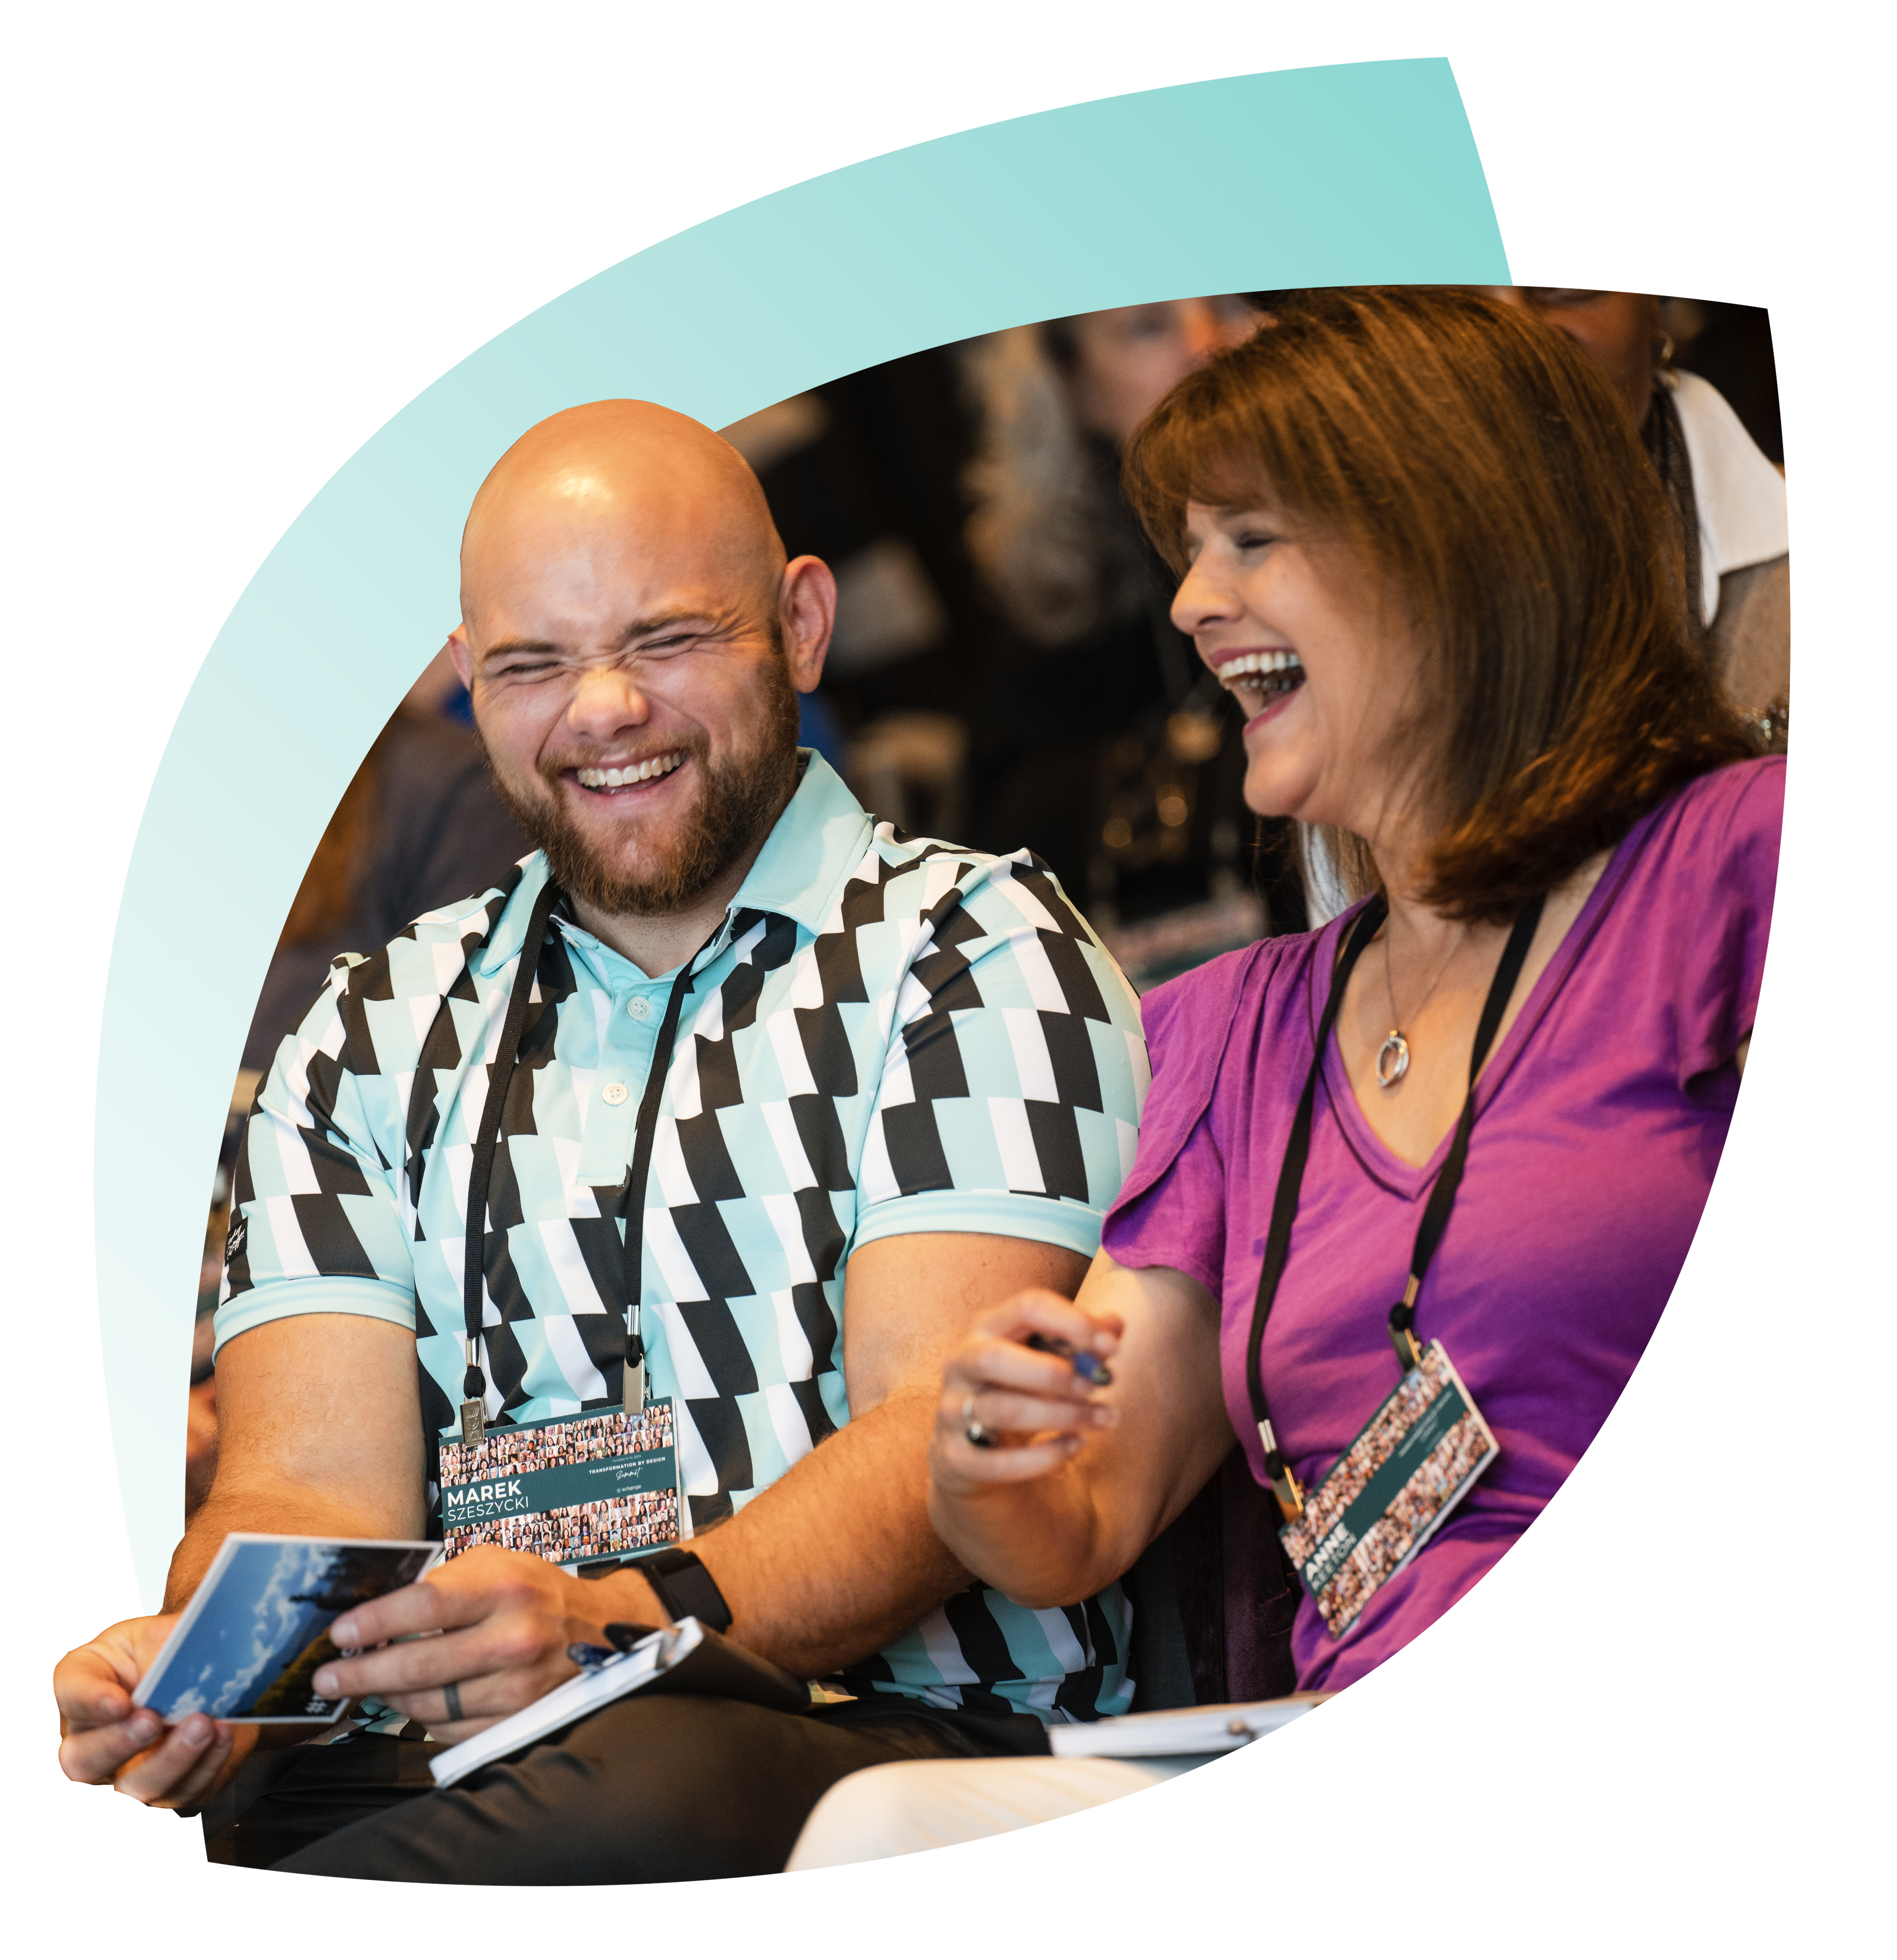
<point>248,1646</point>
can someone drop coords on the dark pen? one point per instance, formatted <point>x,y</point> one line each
<point>1088,1366</point>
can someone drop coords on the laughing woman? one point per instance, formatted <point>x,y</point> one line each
<point>1431,565</point>
<point>1426,1176</point>
<point>1472,1123</point>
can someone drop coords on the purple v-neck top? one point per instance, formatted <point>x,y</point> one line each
<point>1599,1121</point>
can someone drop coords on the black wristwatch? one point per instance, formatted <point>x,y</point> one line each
<point>685,1587</point>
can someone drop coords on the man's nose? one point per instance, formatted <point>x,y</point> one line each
<point>607,699</point>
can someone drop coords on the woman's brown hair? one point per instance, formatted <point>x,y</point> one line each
<point>1480,467</point>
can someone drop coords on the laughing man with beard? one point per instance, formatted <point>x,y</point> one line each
<point>903,1083</point>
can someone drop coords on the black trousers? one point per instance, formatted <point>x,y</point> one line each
<point>653,1787</point>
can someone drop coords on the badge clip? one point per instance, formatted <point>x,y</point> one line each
<point>1289,1492</point>
<point>632,1380</point>
<point>474,1408</point>
<point>1402,1318</point>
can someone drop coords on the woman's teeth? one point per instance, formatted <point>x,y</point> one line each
<point>634,772</point>
<point>1258,663</point>
<point>1258,677</point>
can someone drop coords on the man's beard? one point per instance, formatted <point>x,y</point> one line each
<point>738,800</point>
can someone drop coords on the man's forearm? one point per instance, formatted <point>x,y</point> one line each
<point>838,1557</point>
<point>321,1437</point>
<point>253,1504</point>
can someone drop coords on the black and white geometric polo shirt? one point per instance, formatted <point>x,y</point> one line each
<point>889,1035</point>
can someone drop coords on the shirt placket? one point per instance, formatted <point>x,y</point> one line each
<point>626,1060</point>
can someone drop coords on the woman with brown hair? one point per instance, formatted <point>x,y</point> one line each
<point>1411,1191</point>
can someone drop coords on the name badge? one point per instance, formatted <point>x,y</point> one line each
<point>1405,1471</point>
<point>570,1489</point>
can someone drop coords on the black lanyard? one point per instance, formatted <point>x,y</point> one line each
<point>1291,1177</point>
<point>481,1175</point>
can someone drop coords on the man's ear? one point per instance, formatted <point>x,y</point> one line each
<point>806,604</point>
<point>463,656</point>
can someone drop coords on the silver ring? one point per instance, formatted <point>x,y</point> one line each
<point>452,1695</point>
<point>981,1436</point>
<point>968,1408</point>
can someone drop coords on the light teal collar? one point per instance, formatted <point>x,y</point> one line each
<point>813,849</point>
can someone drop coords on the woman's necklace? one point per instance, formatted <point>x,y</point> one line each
<point>1392,1058</point>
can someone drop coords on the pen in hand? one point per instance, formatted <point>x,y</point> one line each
<point>1088,1366</point>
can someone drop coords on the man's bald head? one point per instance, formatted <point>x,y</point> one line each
<point>635,641</point>
<point>619,476</point>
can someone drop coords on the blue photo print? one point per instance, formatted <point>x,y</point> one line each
<point>258,1627</point>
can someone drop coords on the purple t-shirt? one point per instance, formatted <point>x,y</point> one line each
<point>1599,1122</point>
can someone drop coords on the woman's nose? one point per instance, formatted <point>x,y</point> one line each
<point>1200,601</point>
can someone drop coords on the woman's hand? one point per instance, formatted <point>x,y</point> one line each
<point>1035,1409</point>
<point>1080,1475</point>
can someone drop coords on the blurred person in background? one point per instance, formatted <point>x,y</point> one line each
<point>1097,735</point>
<point>1727,494</point>
<point>419,824</point>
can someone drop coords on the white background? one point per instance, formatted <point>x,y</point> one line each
<point>238,239</point>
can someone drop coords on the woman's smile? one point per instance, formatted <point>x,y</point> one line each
<point>1260,680</point>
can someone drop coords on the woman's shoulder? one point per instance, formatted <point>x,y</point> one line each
<point>1227,1008</point>
<point>1200,1009</point>
<point>1721,827</point>
<point>1751,792</point>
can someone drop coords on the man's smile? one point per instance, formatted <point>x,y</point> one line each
<point>627,775</point>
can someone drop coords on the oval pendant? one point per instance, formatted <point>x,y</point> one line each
<point>1392,1060</point>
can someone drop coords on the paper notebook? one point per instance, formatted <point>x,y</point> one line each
<point>1211,1730</point>
<point>688,1658</point>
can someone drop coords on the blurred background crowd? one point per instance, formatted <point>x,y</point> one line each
<point>1003,671</point>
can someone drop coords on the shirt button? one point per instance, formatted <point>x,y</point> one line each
<point>614,1093</point>
<point>639,1008</point>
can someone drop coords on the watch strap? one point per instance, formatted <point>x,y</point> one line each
<point>685,1588</point>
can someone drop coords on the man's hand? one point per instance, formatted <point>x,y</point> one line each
<point>103,1738</point>
<point>501,1623</point>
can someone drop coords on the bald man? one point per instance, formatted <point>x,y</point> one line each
<point>853,1087</point>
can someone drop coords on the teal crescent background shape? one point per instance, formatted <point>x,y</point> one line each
<point>443,251</point>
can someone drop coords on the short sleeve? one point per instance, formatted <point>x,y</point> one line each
<point>1172,1211</point>
<point>315,1224</point>
<point>1012,1086</point>
<point>1729,858</point>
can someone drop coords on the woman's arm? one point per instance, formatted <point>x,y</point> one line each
<point>1081,1480</point>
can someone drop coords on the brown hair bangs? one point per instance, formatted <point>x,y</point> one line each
<point>1482,469</point>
